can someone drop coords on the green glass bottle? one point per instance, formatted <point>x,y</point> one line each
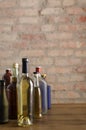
<point>3,103</point>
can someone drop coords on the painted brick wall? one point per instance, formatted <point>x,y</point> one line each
<point>51,33</point>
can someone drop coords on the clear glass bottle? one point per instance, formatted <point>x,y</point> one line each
<point>3,103</point>
<point>12,93</point>
<point>25,97</point>
<point>43,87</point>
<point>37,97</point>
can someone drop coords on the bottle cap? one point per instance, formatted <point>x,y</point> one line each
<point>24,59</point>
<point>15,65</point>
<point>43,76</point>
<point>38,69</point>
<point>24,65</point>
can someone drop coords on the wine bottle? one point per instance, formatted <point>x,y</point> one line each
<point>43,87</point>
<point>37,98</point>
<point>7,77</point>
<point>3,104</point>
<point>25,97</point>
<point>12,93</point>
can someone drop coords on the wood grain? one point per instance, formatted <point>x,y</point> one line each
<point>59,117</point>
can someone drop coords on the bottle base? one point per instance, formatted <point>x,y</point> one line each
<point>24,121</point>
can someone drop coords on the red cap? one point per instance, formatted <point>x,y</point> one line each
<point>38,69</point>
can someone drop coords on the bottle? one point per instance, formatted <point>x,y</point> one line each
<point>48,92</point>
<point>25,97</point>
<point>37,97</point>
<point>7,77</point>
<point>49,96</point>
<point>3,103</point>
<point>43,87</point>
<point>12,93</point>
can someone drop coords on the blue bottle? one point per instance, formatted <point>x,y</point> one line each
<point>49,96</point>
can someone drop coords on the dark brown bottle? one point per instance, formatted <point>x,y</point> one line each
<point>3,104</point>
<point>7,77</point>
<point>12,93</point>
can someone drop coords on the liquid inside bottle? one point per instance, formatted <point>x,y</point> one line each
<point>37,98</point>
<point>43,88</point>
<point>25,97</point>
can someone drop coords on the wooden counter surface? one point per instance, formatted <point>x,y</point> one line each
<point>59,117</point>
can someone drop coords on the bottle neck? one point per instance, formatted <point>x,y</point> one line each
<point>36,80</point>
<point>15,74</point>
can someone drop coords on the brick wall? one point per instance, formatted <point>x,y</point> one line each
<point>51,33</point>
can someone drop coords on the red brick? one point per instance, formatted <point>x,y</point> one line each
<point>71,78</point>
<point>51,11</point>
<point>28,20</point>
<point>80,53</point>
<point>28,3</point>
<point>72,44</point>
<point>67,61</point>
<point>48,28</point>
<point>29,27</point>
<point>80,86</point>
<point>75,10</point>
<point>32,36</point>
<point>59,36</point>
<point>25,12</point>
<point>68,2</point>
<point>60,52</point>
<point>8,3</point>
<point>5,28</point>
<point>82,19</point>
<point>81,69</point>
<point>59,70</point>
<point>32,53</point>
<point>8,21</point>
<point>54,3</point>
<point>43,61</point>
<point>68,94</point>
<point>67,27</point>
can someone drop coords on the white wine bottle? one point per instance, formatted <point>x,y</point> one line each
<point>37,97</point>
<point>25,97</point>
<point>43,88</point>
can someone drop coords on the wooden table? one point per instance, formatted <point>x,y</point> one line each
<point>59,117</point>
